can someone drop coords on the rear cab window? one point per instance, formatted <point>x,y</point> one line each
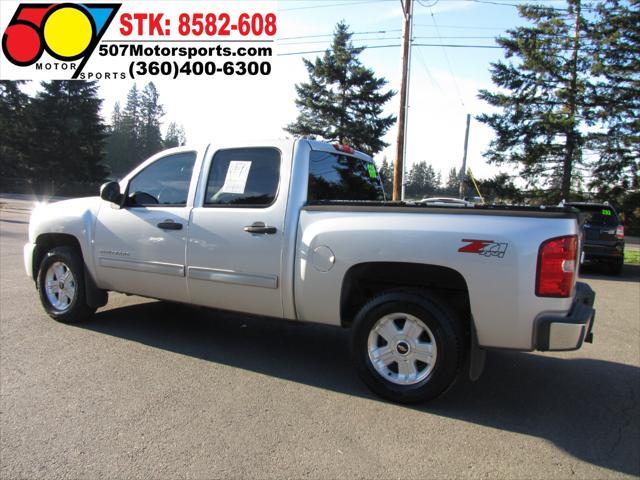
<point>334,176</point>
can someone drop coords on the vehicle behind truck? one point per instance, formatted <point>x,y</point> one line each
<point>301,230</point>
<point>603,235</point>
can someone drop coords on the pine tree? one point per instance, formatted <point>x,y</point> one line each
<point>343,100</point>
<point>15,132</point>
<point>497,189</point>
<point>132,131</point>
<point>135,133</point>
<point>542,97</point>
<point>386,176</point>
<point>422,180</point>
<point>151,113</point>
<point>452,187</point>
<point>117,154</point>
<point>175,136</point>
<point>70,140</point>
<point>616,138</point>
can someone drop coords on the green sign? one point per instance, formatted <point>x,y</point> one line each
<point>606,212</point>
<point>372,170</point>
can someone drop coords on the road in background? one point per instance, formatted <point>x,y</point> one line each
<point>150,389</point>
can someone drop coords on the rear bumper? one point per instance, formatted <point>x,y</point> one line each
<point>603,252</point>
<point>561,333</point>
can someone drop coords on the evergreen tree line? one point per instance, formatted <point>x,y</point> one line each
<point>568,106</point>
<point>568,103</point>
<point>422,180</point>
<point>134,133</point>
<point>57,142</point>
<point>55,136</point>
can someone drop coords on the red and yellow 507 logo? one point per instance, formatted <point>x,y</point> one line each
<point>66,31</point>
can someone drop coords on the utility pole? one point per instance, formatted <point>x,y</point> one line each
<point>398,171</point>
<point>463,171</point>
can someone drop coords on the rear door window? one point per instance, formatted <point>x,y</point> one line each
<point>341,177</point>
<point>243,177</point>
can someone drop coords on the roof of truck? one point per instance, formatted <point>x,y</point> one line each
<point>332,148</point>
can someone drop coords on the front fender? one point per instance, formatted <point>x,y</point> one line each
<point>76,218</point>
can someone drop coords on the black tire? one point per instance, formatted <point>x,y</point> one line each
<point>77,309</point>
<point>616,266</point>
<point>446,331</point>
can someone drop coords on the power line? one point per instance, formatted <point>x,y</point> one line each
<point>364,47</point>
<point>325,41</point>
<point>487,2</point>
<point>453,77</point>
<point>507,4</point>
<point>423,62</point>
<point>466,27</point>
<point>386,38</point>
<point>369,47</point>
<point>442,45</point>
<point>332,34</point>
<point>308,7</point>
<point>371,32</point>
<point>453,45</point>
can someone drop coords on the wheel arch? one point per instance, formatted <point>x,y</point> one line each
<point>364,281</point>
<point>46,241</point>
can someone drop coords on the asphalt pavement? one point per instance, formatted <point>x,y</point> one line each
<point>148,389</point>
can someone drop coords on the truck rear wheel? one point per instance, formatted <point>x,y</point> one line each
<point>61,286</point>
<point>407,346</point>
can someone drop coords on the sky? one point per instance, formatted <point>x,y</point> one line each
<point>443,89</point>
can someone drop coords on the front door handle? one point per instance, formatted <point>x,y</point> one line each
<point>260,227</point>
<point>169,225</point>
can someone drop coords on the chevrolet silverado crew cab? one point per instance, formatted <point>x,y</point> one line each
<point>300,230</point>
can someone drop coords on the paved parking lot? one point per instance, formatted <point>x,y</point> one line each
<point>148,389</point>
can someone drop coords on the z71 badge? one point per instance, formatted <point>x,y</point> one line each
<point>488,248</point>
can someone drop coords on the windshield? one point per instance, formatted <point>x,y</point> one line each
<point>341,177</point>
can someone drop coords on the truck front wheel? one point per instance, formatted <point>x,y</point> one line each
<point>407,346</point>
<point>61,286</point>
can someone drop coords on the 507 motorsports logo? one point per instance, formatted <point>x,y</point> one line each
<point>137,39</point>
<point>67,32</point>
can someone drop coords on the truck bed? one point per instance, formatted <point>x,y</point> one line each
<point>406,207</point>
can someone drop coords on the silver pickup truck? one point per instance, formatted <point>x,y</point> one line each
<point>301,230</point>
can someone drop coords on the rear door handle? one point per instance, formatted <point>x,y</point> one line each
<point>260,227</point>
<point>169,225</point>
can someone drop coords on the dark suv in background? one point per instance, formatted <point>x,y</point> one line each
<point>603,232</point>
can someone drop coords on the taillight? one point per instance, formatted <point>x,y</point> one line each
<point>620,232</point>
<point>343,148</point>
<point>557,267</point>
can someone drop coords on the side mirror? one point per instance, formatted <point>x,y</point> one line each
<point>142,199</point>
<point>110,192</point>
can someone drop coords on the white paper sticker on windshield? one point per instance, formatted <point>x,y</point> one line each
<point>236,179</point>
